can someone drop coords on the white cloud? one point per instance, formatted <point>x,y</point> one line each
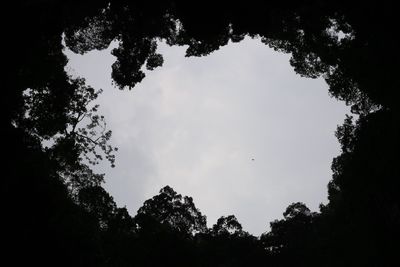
<point>196,124</point>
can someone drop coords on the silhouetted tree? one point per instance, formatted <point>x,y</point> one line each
<point>171,209</point>
<point>290,239</point>
<point>227,225</point>
<point>56,211</point>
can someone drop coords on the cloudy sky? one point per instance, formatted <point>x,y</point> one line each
<point>196,124</point>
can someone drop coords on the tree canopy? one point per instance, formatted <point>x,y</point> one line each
<point>56,211</point>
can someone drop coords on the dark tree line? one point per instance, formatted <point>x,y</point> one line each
<point>55,209</point>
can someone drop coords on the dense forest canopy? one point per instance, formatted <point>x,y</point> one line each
<point>56,210</point>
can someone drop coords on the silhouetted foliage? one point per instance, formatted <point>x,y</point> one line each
<point>171,209</point>
<point>56,211</point>
<point>227,226</point>
<point>290,240</point>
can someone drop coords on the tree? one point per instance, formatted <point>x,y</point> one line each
<point>362,198</point>
<point>289,241</point>
<point>171,209</point>
<point>228,225</point>
<point>342,41</point>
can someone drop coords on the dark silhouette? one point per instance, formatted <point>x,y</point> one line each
<point>55,210</point>
<point>174,211</point>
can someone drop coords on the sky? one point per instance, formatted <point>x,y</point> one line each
<point>238,130</point>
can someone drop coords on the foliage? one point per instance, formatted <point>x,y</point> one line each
<point>58,213</point>
<point>173,210</point>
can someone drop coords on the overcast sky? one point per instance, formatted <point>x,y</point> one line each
<point>196,124</point>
